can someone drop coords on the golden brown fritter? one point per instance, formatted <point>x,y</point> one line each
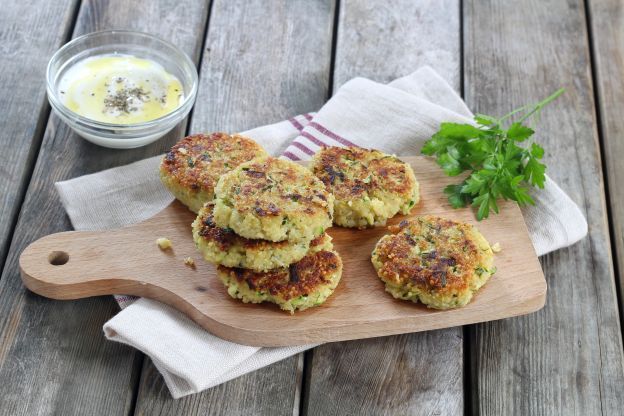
<point>304,284</point>
<point>224,247</point>
<point>435,260</point>
<point>369,186</point>
<point>194,165</point>
<point>273,199</point>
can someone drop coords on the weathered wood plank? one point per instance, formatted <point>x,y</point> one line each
<point>30,32</point>
<point>53,356</point>
<point>415,373</point>
<point>262,62</point>
<point>273,390</point>
<point>607,26</point>
<point>384,41</point>
<point>567,358</point>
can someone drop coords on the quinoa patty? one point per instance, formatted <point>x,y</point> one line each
<point>436,261</point>
<point>369,186</point>
<point>302,285</point>
<point>224,247</point>
<point>273,199</point>
<point>193,166</point>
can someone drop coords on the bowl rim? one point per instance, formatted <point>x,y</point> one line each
<point>58,105</point>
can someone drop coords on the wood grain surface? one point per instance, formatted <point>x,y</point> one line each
<point>54,353</point>
<point>606,19</point>
<point>78,264</point>
<point>384,41</point>
<point>269,391</point>
<point>566,359</point>
<point>30,32</point>
<point>262,62</point>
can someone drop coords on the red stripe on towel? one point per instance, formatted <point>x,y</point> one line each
<point>290,155</point>
<point>303,148</point>
<point>313,139</point>
<point>332,135</point>
<point>126,298</point>
<point>296,124</point>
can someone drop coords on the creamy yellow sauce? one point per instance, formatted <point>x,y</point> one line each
<point>120,89</point>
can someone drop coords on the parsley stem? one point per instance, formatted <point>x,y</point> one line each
<point>535,109</point>
<point>511,113</point>
<point>542,104</point>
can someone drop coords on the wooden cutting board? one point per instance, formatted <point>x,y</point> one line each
<point>78,264</point>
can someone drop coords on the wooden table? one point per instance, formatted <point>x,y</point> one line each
<point>262,61</point>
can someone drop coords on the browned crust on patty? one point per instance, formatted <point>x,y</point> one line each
<point>197,162</point>
<point>352,172</point>
<point>225,238</point>
<point>449,266</point>
<point>300,279</point>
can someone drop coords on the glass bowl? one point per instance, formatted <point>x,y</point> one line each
<point>141,45</point>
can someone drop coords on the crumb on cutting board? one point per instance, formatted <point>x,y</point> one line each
<point>164,243</point>
<point>189,262</point>
<point>496,247</point>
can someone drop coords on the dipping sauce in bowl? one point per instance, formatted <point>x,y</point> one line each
<point>121,89</point>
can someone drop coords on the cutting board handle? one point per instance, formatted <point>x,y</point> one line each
<point>74,265</point>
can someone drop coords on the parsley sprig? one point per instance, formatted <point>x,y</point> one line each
<point>500,167</point>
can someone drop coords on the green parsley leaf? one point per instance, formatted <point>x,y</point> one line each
<point>485,120</point>
<point>450,165</point>
<point>458,131</point>
<point>534,172</point>
<point>483,202</point>
<point>519,133</point>
<point>490,150</point>
<point>537,151</point>
<point>455,196</point>
<point>473,184</point>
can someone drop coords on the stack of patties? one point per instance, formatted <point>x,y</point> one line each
<point>262,220</point>
<point>266,232</point>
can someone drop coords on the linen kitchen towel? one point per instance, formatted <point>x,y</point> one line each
<point>395,118</point>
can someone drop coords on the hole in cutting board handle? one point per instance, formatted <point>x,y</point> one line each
<point>58,258</point>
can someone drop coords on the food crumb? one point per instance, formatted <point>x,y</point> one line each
<point>496,248</point>
<point>164,243</point>
<point>189,262</point>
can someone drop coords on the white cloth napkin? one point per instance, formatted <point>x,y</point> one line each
<point>395,118</point>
